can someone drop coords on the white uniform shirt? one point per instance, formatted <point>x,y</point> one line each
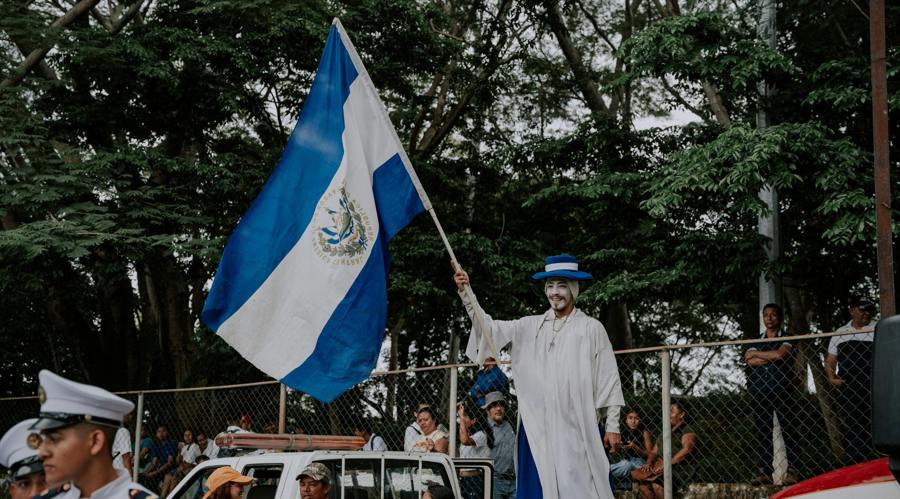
<point>836,341</point>
<point>121,446</point>
<point>375,443</point>
<point>563,375</point>
<point>413,432</point>
<point>479,449</point>
<point>120,488</point>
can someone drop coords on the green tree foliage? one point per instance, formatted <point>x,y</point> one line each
<point>127,157</point>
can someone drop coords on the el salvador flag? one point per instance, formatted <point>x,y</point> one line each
<point>301,291</point>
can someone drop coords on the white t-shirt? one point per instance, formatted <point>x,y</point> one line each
<point>480,449</point>
<point>375,443</point>
<point>189,453</point>
<point>121,446</point>
<point>212,450</point>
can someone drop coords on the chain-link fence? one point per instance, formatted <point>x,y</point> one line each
<point>727,398</point>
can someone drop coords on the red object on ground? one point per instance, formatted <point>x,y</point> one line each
<point>863,473</point>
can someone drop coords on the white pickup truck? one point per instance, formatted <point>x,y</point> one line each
<point>358,475</point>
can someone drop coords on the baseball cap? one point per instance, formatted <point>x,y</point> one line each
<point>492,398</point>
<point>316,471</point>
<point>222,476</point>
<point>863,304</point>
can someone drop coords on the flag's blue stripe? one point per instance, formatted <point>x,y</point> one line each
<point>347,349</point>
<point>280,214</point>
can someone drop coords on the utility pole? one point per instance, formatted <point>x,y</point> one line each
<point>768,223</point>
<point>882,164</point>
<point>769,288</point>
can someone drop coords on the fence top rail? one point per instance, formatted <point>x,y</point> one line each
<point>658,348</point>
<point>725,343</point>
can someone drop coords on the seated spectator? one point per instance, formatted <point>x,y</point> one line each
<point>684,457</point>
<point>633,450</point>
<point>147,444</point>
<point>438,492</point>
<point>489,379</point>
<point>432,438</point>
<point>207,447</point>
<point>162,459</point>
<point>476,441</point>
<point>373,442</point>
<point>188,450</point>
<point>413,432</point>
<point>247,423</point>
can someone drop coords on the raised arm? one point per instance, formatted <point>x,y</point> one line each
<point>488,336</point>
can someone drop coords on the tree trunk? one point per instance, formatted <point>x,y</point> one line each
<point>808,356</point>
<point>618,327</point>
<point>391,379</point>
<point>586,85</point>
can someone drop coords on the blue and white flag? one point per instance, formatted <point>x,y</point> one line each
<point>301,291</point>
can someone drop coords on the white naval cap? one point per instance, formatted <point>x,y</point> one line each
<point>65,402</point>
<point>18,449</point>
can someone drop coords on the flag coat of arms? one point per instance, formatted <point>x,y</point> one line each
<point>301,290</point>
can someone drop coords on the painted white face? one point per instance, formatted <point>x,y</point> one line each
<point>559,294</point>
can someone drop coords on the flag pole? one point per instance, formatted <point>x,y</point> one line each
<point>466,289</point>
<point>361,68</point>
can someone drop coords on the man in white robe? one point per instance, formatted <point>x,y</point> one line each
<point>564,371</point>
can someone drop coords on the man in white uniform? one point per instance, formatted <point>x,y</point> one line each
<point>18,454</point>
<point>78,424</point>
<point>565,371</point>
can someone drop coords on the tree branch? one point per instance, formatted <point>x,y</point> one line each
<point>583,80</point>
<point>681,100</point>
<point>38,54</point>
<point>715,103</point>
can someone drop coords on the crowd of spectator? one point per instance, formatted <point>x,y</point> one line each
<point>165,461</point>
<point>484,431</point>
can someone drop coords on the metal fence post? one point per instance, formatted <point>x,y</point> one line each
<point>665,362</point>
<point>137,436</point>
<point>451,412</point>
<point>282,407</point>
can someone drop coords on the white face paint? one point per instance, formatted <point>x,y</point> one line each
<point>559,294</point>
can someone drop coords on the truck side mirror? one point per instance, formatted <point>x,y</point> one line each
<point>886,391</point>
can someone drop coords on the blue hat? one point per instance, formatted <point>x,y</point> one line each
<point>18,450</point>
<point>564,266</point>
<point>65,403</point>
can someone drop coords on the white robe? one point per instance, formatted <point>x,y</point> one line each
<point>561,379</point>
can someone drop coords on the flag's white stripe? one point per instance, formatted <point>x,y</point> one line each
<point>293,305</point>
<point>560,266</point>
<point>363,75</point>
